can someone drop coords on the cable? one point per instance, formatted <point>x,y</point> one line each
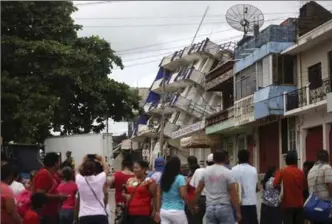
<point>177,40</point>
<point>171,17</point>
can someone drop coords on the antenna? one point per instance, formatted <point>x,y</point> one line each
<point>245,18</point>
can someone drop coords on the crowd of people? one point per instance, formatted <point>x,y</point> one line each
<point>214,194</point>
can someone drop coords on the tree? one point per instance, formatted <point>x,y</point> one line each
<point>52,79</point>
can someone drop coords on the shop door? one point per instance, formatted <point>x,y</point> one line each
<point>268,146</point>
<point>314,143</point>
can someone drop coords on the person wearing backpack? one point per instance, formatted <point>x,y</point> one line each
<point>320,179</point>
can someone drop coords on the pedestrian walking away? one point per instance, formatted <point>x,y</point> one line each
<point>220,190</point>
<point>172,194</point>
<point>292,180</point>
<point>270,207</point>
<point>247,179</point>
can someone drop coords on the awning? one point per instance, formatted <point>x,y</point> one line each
<point>199,141</point>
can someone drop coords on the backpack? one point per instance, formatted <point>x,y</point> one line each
<point>23,202</point>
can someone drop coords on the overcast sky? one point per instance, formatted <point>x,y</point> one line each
<point>130,26</point>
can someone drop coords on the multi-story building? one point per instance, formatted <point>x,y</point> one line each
<point>186,102</point>
<point>252,86</point>
<point>308,104</point>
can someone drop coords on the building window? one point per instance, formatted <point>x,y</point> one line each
<point>315,76</point>
<point>245,82</point>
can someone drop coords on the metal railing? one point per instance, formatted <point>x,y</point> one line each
<point>191,106</point>
<point>220,116</point>
<point>244,110</point>
<point>306,95</point>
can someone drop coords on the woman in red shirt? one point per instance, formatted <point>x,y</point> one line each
<point>191,193</point>
<point>118,180</point>
<point>140,192</point>
<point>9,214</point>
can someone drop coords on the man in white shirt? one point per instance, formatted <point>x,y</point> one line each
<point>247,179</point>
<point>196,178</point>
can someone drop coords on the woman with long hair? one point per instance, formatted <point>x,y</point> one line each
<point>172,194</point>
<point>140,195</point>
<point>270,209</point>
<point>117,181</point>
<point>90,183</point>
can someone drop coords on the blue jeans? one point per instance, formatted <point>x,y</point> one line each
<point>219,214</point>
<point>66,216</point>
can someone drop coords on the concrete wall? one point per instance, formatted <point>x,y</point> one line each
<point>311,57</point>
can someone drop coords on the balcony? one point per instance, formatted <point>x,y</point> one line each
<point>188,130</point>
<point>304,100</point>
<point>170,128</point>
<point>244,111</point>
<point>191,106</point>
<point>155,108</point>
<point>150,130</point>
<point>188,55</point>
<point>270,101</point>
<point>178,80</point>
<point>220,122</point>
<point>215,80</point>
<point>220,116</point>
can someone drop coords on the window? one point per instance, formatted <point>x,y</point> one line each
<point>283,69</point>
<point>245,82</point>
<point>315,76</point>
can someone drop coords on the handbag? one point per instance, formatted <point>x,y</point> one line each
<point>125,213</point>
<point>94,193</point>
<point>316,209</point>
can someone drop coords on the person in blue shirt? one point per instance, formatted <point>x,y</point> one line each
<point>172,194</point>
<point>159,164</point>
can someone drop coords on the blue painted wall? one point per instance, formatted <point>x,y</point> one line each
<point>258,54</point>
<point>270,100</point>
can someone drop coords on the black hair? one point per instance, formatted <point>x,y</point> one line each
<point>323,156</point>
<point>171,170</point>
<point>192,160</point>
<point>291,158</point>
<point>143,164</point>
<point>243,156</point>
<point>268,175</point>
<point>38,200</point>
<point>308,164</point>
<point>127,163</point>
<point>15,171</point>
<point>51,159</point>
<point>219,157</point>
<point>6,172</point>
<point>193,168</point>
<point>67,173</point>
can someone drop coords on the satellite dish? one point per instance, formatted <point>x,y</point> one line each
<point>244,18</point>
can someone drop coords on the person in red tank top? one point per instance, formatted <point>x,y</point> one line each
<point>139,193</point>
<point>118,180</point>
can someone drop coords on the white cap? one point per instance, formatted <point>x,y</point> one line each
<point>209,158</point>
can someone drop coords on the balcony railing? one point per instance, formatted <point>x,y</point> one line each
<point>306,96</point>
<point>244,110</point>
<point>220,116</point>
<point>192,107</point>
<point>189,54</point>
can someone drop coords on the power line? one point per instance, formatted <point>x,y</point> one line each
<point>166,17</point>
<point>181,39</point>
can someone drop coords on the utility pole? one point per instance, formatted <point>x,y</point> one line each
<point>162,124</point>
<point>200,24</point>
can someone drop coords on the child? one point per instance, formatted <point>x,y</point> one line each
<point>67,187</point>
<point>38,200</point>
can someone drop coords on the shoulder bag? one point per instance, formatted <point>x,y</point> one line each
<point>94,193</point>
<point>316,209</point>
<point>125,213</point>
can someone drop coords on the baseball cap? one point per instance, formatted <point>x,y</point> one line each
<point>210,158</point>
<point>159,164</point>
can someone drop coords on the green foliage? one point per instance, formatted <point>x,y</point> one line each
<point>51,79</point>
